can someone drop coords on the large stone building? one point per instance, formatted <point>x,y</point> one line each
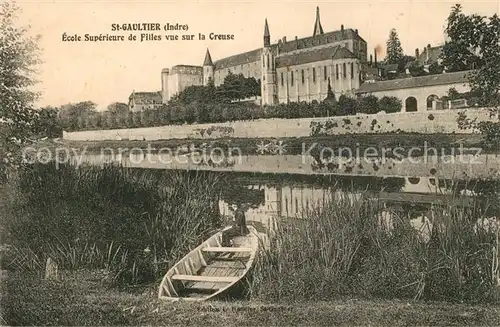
<point>289,71</point>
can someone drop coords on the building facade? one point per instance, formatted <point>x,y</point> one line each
<point>140,101</point>
<point>420,93</point>
<point>288,71</point>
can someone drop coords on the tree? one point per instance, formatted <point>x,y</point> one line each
<point>48,123</point>
<point>404,63</point>
<point>118,108</point>
<point>435,68</point>
<point>485,80</point>
<point>19,55</point>
<point>71,113</point>
<point>394,49</point>
<point>474,44</point>
<point>466,34</point>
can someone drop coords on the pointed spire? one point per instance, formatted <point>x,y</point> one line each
<point>208,59</point>
<point>318,29</point>
<point>267,35</point>
<point>266,29</point>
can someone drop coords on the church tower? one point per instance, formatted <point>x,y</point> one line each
<point>268,65</point>
<point>208,68</point>
<point>318,29</point>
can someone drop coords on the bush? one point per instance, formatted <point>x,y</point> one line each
<point>390,104</point>
<point>135,223</point>
<point>345,106</point>
<point>368,104</point>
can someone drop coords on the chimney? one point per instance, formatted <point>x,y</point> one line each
<point>371,59</point>
<point>356,31</point>
<point>375,56</point>
<point>342,30</point>
<point>417,53</point>
<point>284,39</point>
<point>428,45</point>
<point>296,38</point>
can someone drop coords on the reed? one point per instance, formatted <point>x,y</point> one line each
<point>133,223</point>
<point>347,248</point>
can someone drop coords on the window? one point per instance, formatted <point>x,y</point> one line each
<point>337,71</point>
<point>302,76</point>
<point>344,68</point>
<point>324,73</point>
<point>281,79</point>
<point>291,78</point>
<point>314,75</point>
<point>352,70</point>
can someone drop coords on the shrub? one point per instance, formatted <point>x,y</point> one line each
<point>368,104</point>
<point>345,106</point>
<point>390,104</point>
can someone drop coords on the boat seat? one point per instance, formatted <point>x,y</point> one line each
<point>212,279</point>
<point>226,249</point>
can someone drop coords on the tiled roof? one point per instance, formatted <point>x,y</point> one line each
<point>146,97</point>
<point>434,53</point>
<point>208,59</point>
<point>403,83</point>
<point>335,52</point>
<point>321,39</point>
<point>239,59</point>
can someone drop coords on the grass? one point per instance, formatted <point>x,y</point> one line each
<point>135,223</point>
<point>347,249</point>
<point>81,299</point>
<point>341,265</point>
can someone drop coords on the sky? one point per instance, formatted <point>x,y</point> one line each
<point>108,72</point>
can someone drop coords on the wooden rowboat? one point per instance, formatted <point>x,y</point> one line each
<point>211,270</point>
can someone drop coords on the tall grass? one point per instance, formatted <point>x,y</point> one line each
<point>344,250</point>
<point>131,222</point>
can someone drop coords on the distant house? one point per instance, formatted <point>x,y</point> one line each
<point>140,101</point>
<point>429,56</point>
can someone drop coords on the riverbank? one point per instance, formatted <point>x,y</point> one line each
<point>81,299</point>
<point>290,145</point>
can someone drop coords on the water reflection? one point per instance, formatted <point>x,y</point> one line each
<point>272,196</point>
<point>461,167</point>
<point>285,186</point>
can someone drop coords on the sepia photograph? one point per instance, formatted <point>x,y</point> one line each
<point>250,163</point>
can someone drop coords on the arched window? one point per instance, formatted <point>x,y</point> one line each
<point>352,70</point>
<point>433,102</point>
<point>344,68</point>
<point>291,78</point>
<point>314,75</point>
<point>303,79</point>
<point>411,104</point>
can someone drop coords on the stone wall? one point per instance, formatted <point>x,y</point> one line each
<point>442,121</point>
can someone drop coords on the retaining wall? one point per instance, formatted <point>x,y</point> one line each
<point>443,121</point>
